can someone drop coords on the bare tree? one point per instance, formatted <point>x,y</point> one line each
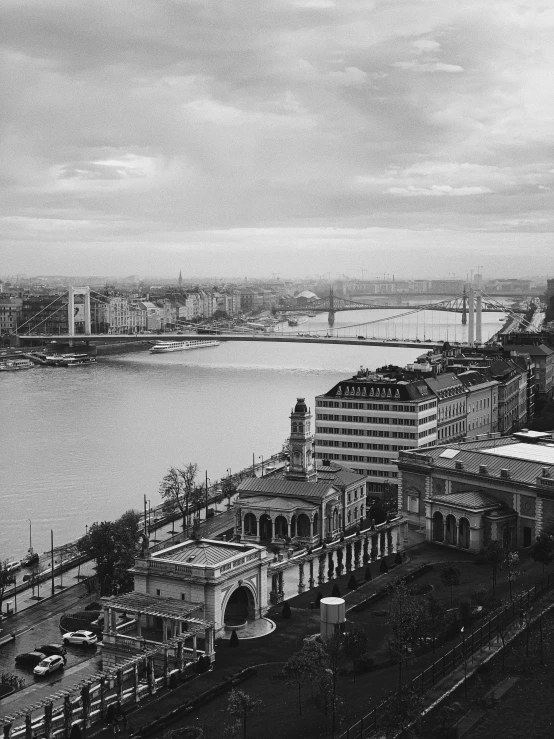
<point>510,565</point>
<point>495,555</point>
<point>178,489</point>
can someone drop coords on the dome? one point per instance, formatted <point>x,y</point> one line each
<point>307,295</point>
<point>300,406</point>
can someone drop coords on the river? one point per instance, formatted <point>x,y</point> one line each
<point>84,444</point>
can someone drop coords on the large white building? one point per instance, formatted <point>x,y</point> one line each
<point>367,420</point>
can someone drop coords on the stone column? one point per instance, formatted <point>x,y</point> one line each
<point>166,666</point>
<point>164,629</point>
<point>321,570</point>
<point>28,726</point>
<point>340,557</point>
<point>311,581</point>
<point>331,565</point>
<point>349,557</point>
<point>85,703</point>
<point>119,684</point>
<point>67,716</point>
<point>301,586</point>
<point>382,543</point>
<point>194,647</point>
<point>389,541</point>
<point>47,722</point>
<point>139,625</point>
<point>374,546</point>
<point>150,675</point>
<point>102,687</point>
<point>7,728</point>
<point>180,657</point>
<point>366,556</point>
<point>136,696</point>
<point>281,588</point>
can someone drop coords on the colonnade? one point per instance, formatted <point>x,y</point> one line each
<point>329,561</point>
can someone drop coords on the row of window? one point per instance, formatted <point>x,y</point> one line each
<point>371,432</point>
<point>362,445</point>
<point>427,432</point>
<point>454,429</point>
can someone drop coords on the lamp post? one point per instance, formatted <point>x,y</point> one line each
<point>30,536</point>
<point>462,632</point>
<point>207,478</point>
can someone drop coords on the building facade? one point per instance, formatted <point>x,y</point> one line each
<point>474,492</point>
<point>367,420</point>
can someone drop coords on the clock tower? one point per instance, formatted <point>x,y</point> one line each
<point>301,444</point>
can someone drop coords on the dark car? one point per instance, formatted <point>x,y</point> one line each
<point>50,649</point>
<point>29,659</point>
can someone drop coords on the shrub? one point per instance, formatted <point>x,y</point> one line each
<point>383,566</point>
<point>286,612</point>
<point>352,583</point>
<point>398,559</point>
<point>481,558</point>
<point>234,640</point>
<point>367,574</point>
<point>335,592</point>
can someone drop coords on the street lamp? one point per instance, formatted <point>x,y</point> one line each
<point>30,536</point>
<point>462,632</point>
<point>207,481</point>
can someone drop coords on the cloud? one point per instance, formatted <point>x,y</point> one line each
<point>148,121</point>
<point>438,191</point>
<point>415,66</point>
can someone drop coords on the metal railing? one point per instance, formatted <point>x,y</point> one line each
<point>482,635</point>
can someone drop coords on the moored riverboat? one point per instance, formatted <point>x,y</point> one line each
<point>162,347</point>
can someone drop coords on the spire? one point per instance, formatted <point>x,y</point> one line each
<point>180,280</point>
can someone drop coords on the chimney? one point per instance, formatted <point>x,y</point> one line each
<point>483,469</point>
<point>459,465</point>
<point>545,472</point>
<point>505,473</point>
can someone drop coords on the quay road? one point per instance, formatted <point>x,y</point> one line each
<point>253,336</point>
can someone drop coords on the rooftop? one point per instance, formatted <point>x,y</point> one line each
<point>154,606</point>
<point>525,462</point>
<point>474,499</point>
<point>278,486</point>
<point>206,552</point>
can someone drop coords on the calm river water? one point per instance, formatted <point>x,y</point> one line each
<point>84,444</point>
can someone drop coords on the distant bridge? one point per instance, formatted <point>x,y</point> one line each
<point>332,303</point>
<point>102,339</point>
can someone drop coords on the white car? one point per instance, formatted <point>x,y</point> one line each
<point>49,664</point>
<point>80,637</point>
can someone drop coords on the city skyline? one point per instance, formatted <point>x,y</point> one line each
<point>311,133</point>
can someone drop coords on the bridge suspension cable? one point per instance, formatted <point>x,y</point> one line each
<point>58,297</point>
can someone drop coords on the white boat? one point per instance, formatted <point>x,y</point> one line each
<point>160,347</point>
<point>12,365</point>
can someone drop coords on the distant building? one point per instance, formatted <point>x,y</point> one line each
<point>10,313</point>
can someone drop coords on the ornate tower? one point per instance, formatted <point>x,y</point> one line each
<point>180,280</point>
<point>301,443</point>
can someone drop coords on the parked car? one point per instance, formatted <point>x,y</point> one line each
<point>29,659</point>
<point>80,637</point>
<point>49,664</point>
<point>52,649</point>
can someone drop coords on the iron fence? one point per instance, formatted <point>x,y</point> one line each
<point>480,636</point>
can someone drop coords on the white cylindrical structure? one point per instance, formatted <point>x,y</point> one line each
<point>471,323</point>
<point>478,319</point>
<point>333,615</point>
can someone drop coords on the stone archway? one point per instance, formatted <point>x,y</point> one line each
<point>303,526</point>
<point>463,533</point>
<point>266,528</point>
<point>450,532</point>
<point>281,527</point>
<point>240,606</point>
<point>250,525</point>
<point>316,524</point>
<point>438,526</point>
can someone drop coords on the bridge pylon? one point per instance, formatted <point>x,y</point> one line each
<point>74,312</point>
<point>464,308</point>
<point>331,316</point>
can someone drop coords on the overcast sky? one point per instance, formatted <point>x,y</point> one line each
<point>406,137</point>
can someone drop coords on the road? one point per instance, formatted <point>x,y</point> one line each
<point>40,625</point>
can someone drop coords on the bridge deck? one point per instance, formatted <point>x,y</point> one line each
<point>271,338</point>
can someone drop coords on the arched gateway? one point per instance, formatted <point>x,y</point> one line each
<point>241,605</point>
